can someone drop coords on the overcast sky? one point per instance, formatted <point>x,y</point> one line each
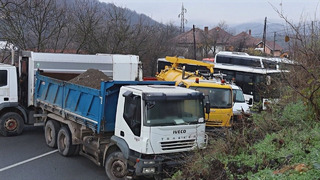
<point>211,12</point>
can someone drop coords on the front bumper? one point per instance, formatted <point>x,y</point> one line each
<point>164,165</point>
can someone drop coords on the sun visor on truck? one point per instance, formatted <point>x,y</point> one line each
<point>168,97</point>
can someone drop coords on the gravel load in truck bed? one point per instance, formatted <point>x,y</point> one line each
<point>91,78</point>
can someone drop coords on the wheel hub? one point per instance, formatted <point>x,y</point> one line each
<point>119,169</point>
<point>11,124</point>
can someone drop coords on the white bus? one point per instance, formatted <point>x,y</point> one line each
<point>257,76</point>
<point>243,59</point>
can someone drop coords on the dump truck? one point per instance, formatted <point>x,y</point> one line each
<point>219,94</point>
<point>17,83</point>
<point>132,128</point>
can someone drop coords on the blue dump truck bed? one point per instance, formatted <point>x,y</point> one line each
<point>93,108</point>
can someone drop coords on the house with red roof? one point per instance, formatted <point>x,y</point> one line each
<point>210,42</point>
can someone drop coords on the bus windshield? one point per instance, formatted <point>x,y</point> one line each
<point>218,97</point>
<point>174,112</point>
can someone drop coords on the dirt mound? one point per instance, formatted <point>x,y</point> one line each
<point>91,78</point>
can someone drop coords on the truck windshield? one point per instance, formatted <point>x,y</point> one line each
<point>174,112</point>
<point>218,97</point>
<point>238,95</point>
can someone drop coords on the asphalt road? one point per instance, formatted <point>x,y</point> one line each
<point>27,157</point>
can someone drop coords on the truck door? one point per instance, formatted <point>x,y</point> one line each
<point>132,113</point>
<point>4,86</point>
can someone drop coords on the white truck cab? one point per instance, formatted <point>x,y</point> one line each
<point>11,116</point>
<point>8,84</point>
<point>156,123</point>
<point>240,105</point>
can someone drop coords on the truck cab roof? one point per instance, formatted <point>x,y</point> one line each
<point>166,89</point>
<point>6,65</point>
<point>206,83</point>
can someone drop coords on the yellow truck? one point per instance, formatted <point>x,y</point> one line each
<point>219,94</point>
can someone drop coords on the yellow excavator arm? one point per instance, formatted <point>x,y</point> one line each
<point>176,61</point>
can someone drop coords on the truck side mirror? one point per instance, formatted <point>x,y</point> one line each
<point>207,107</point>
<point>127,94</point>
<point>250,101</point>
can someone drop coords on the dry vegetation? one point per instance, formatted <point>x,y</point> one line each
<point>282,142</point>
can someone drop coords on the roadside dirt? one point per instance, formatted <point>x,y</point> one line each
<point>91,78</point>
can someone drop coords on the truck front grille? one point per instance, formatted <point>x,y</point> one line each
<point>181,144</point>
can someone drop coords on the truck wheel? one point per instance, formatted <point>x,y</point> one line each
<point>11,124</point>
<point>64,142</point>
<point>116,166</point>
<point>51,130</point>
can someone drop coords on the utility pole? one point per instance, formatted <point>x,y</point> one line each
<point>194,42</point>
<point>274,42</point>
<point>264,35</point>
<point>183,20</point>
<point>312,34</point>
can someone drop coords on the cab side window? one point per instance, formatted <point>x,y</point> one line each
<point>3,78</point>
<point>132,113</point>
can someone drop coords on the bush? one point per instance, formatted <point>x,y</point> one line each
<point>281,143</point>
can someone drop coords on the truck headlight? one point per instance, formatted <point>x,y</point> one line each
<point>148,170</point>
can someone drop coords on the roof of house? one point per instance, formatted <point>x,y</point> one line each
<point>222,37</point>
<point>244,37</point>
<point>270,44</point>
<point>187,37</point>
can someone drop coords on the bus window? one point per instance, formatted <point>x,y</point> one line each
<point>223,59</point>
<point>269,64</point>
<point>250,62</point>
<point>241,61</point>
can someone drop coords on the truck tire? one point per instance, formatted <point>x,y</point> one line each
<point>51,130</point>
<point>64,142</point>
<point>11,124</point>
<point>116,166</point>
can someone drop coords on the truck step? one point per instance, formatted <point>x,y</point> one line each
<point>39,115</point>
<point>90,157</point>
<point>38,124</point>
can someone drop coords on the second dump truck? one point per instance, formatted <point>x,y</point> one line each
<point>17,83</point>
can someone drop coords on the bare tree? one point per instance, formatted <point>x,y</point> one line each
<point>305,50</point>
<point>87,22</point>
<point>84,26</point>
<point>217,37</point>
<point>159,45</point>
<point>32,24</point>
